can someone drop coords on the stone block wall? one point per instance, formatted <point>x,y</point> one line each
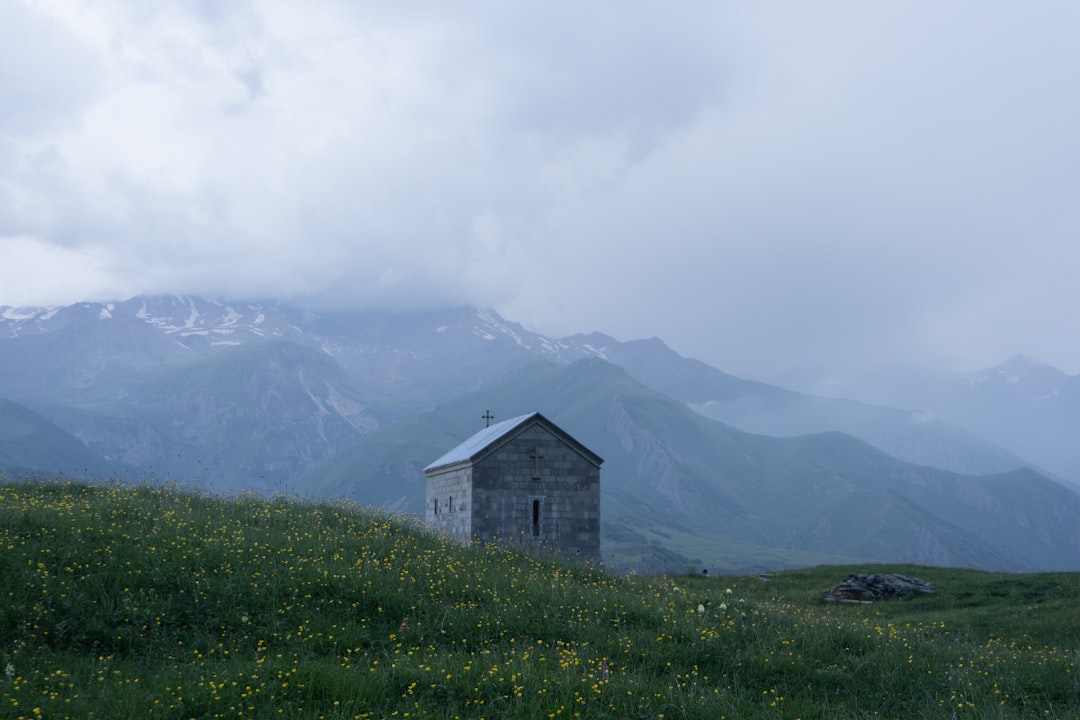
<point>538,492</point>
<point>449,502</point>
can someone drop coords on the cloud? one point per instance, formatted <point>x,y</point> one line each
<point>862,205</point>
<point>73,276</point>
<point>46,74</point>
<point>764,187</point>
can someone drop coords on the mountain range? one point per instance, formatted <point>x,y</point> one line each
<point>702,467</point>
<point>1024,404</point>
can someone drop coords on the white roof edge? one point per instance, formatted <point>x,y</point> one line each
<point>480,440</point>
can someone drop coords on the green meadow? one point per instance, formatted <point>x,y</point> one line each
<point>140,602</point>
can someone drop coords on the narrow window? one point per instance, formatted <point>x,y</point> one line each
<point>451,505</point>
<point>436,507</point>
<point>536,518</point>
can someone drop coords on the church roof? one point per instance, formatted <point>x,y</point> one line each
<point>476,445</point>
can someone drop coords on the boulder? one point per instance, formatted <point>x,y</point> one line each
<point>857,588</point>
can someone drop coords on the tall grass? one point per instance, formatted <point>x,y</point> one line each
<point>121,602</point>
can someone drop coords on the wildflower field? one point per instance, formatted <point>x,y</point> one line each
<point>123,602</point>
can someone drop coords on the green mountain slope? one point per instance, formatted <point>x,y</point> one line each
<point>676,484</point>
<point>757,407</point>
<point>30,443</point>
<point>264,413</point>
<point>249,417</point>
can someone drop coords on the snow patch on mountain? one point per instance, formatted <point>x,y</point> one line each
<point>548,345</point>
<point>493,326</point>
<point>23,320</point>
<point>19,314</point>
<point>193,316</point>
<point>232,318</point>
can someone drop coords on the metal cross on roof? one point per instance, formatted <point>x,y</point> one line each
<point>487,417</point>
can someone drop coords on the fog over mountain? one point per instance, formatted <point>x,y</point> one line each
<point>794,194</point>
<point>1023,403</point>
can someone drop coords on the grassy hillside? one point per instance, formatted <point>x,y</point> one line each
<point>139,602</point>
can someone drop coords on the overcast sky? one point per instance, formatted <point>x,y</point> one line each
<point>774,188</point>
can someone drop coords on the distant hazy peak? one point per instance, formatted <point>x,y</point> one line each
<point>1017,369</point>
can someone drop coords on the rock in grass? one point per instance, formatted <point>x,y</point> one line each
<point>857,588</point>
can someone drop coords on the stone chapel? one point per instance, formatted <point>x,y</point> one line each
<point>524,481</point>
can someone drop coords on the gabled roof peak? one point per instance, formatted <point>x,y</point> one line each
<point>480,441</point>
